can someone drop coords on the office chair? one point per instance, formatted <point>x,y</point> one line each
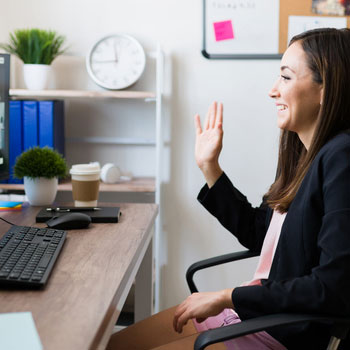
<point>339,330</point>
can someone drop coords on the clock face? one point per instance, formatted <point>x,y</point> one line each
<point>116,61</point>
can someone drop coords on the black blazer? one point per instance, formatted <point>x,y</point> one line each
<point>310,271</point>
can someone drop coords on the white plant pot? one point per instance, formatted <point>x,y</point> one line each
<point>36,76</point>
<point>40,191</point>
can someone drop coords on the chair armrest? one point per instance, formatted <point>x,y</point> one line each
<point>254,325</point>
<point>218,260</point>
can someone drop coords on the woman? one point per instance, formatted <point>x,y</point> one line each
<point>302,228</point>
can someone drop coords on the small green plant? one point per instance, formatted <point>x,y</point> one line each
<point>40,162</point>
<point>35,46</point>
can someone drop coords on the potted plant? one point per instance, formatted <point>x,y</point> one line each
<point>40,168</point>
<point>37,48</point>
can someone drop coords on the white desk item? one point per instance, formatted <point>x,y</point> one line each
<point>18,332</point>
<point>110,173</point>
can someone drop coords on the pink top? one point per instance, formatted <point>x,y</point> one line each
<point>268,249</point>
<point>260,340</point>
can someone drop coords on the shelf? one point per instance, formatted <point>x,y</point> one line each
<point>138,184</point>
<point>44,94</point>
<point>112,140</point>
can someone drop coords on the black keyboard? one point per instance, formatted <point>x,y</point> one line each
<point>28,254</point>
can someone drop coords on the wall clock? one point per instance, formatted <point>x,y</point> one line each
<point>116,61</point>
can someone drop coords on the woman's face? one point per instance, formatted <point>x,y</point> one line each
<point>297,96</point>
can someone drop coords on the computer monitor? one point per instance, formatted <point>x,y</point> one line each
<point>4,115</point>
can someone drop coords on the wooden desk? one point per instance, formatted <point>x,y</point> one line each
<point>90,281</point>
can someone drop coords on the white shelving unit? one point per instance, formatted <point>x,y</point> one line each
<point>147,96</point>
<point>84,94</point>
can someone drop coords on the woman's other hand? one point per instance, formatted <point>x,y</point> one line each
<point>209,143</point>
<point>200,306</point>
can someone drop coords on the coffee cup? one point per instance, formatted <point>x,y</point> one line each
<point>85,184</point>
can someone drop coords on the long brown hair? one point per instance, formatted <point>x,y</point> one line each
<point>328,57</point>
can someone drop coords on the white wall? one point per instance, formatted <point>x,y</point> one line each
<point>192,83</point>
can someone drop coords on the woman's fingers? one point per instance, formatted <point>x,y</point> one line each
<point>210,116</point>
<point>182,315</point>
<point>213,115</point>
<point>184,312</point>
<point>182,321</point>
<point>197,124</point>
<point>207,118</point>
<point>219,116</point>
<point>178,312</point>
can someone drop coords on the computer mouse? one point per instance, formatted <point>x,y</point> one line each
<point>69,221</point>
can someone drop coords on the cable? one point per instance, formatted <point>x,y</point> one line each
<point>8,222</point>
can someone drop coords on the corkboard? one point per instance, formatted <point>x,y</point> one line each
<point>293,8</point>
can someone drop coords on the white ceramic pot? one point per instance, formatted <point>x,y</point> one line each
<point>36,76</point>
<point>40,191</point>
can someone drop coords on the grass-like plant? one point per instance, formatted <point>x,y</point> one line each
<point>40,162</point>
<point>35,46</point>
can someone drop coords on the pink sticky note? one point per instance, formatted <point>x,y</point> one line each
<point>223,30</point>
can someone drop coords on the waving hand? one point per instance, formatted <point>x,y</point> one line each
<point>209,143</point>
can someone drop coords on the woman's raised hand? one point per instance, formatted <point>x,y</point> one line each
<point>209,143</point>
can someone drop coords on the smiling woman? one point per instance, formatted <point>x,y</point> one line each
<point>301,229</point>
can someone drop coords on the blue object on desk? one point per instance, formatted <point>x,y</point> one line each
<point>15,137</point>
<point>51,125</point>
<point>30,124</point>
<point>10,205</point>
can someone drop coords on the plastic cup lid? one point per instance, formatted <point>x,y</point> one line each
<point>82,169</point>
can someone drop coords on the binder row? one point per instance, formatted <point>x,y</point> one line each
<point>34,123</point>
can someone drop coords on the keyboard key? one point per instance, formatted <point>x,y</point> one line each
<point>25,277</point>
<point>14,275</point>
<point>45,260</point>
<point>4,273</point>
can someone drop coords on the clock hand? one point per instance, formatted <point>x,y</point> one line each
<point>116,53</point>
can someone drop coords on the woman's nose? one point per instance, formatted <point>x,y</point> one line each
<point>273,93</point>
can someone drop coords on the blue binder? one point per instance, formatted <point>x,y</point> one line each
<point>15,136</point>
<point>51,125</point>
<point>30,124</point>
